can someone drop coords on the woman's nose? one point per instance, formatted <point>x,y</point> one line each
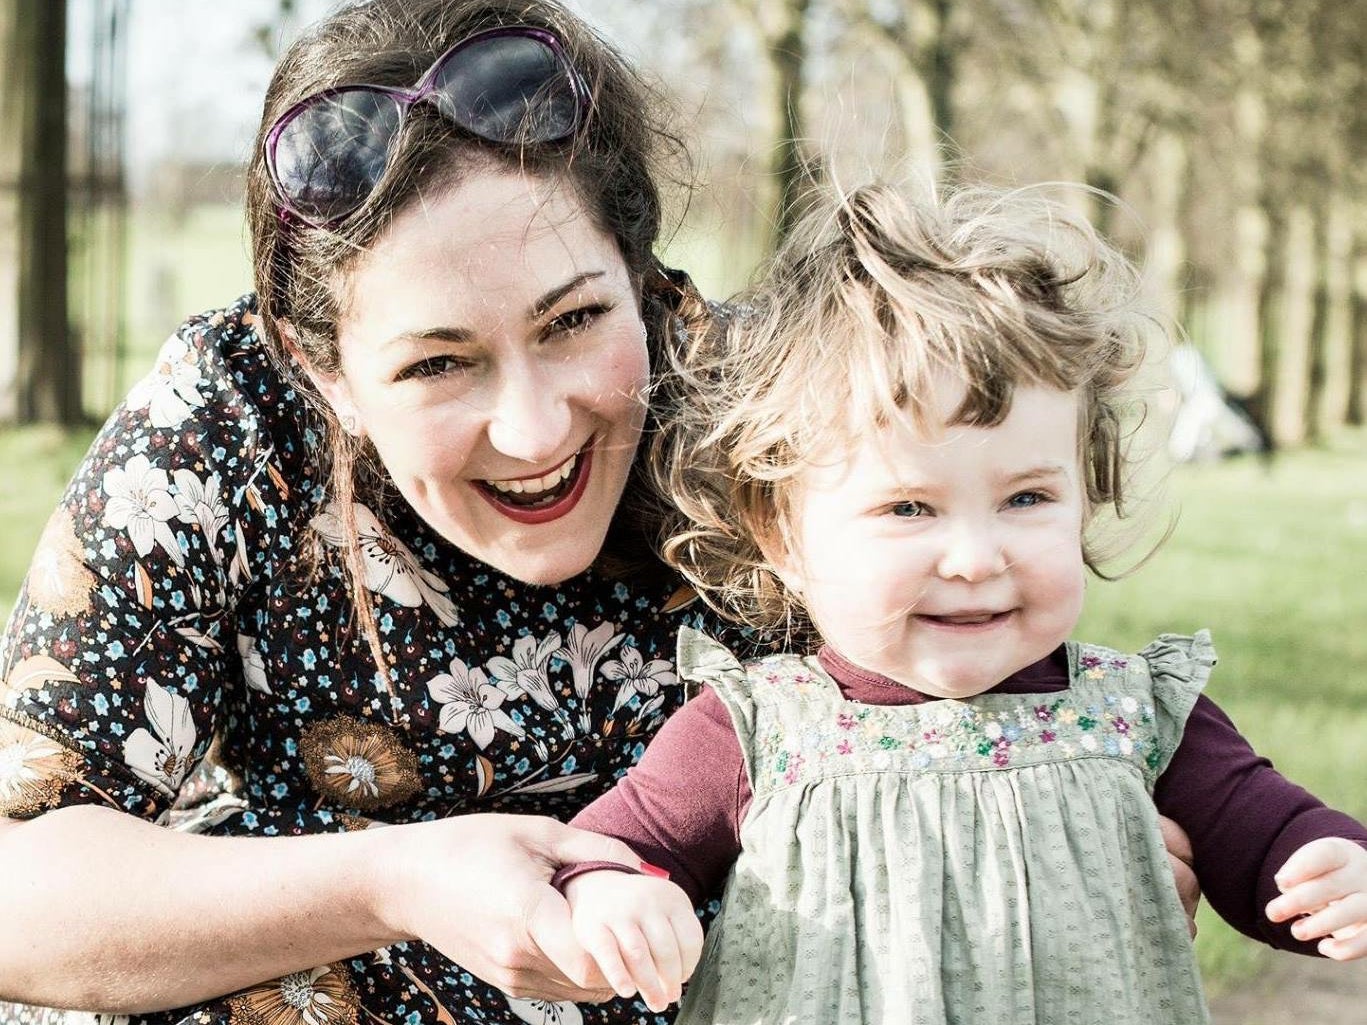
<point>972,552</point>
<point>530,419</point>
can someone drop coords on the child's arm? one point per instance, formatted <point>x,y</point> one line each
<point>640,929</point>
<point>1326,880</point>
<point>680,808</point>
<point>1244,819</point>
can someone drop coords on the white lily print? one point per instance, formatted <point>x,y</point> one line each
<point>200,503</point>
<point>545,1012</point>
<point>140,502</point>
<point>390,568</point>
<point>583,650</point>
<point>253,665</point>
<point>171,390</point>
<point>525,672</point>
<point>471,703</point>
<point>163,756</point>
<point>638,676</point>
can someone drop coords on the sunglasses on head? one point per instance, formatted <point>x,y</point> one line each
<point>326,154</point>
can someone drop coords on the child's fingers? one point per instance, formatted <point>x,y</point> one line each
<point>1338,916</point>
<point>688,931</point>
<point>1309,896</point>
<point>1315,859</point>
<point>640,962</point>
<point>602,944</point>
<point>664,945</point>
<point>1348,944</point>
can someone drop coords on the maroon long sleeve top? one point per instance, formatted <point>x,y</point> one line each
<point>681,807</point>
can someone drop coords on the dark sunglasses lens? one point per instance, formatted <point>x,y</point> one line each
<point>329,157</point>
<point>508,89</point>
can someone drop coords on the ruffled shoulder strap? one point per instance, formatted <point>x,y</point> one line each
<point>1179,668</point>
<point>703,660</point>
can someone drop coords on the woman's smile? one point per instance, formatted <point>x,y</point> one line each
<point>540,499</point>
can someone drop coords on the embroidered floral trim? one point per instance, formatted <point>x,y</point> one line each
<point>978,734</point>
<point>358,764</point>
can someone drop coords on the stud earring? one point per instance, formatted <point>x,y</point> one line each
<point>350,424</point>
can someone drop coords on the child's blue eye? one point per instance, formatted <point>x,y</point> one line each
<point>908,509</point>
<point>1026,499</point>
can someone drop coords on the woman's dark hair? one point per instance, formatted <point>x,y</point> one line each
<point>612,164</point>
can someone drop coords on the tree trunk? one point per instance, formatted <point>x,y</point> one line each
<point>41,352</point>
<point>11,149</point>
<point>787,54</point>
<point>1357,335</point>
<point>1317,350</point>
<point>1270,299</point>
<point>943,72</point>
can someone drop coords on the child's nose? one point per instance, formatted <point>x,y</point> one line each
<point>972,552</point>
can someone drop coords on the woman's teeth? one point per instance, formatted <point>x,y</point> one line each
<point>537,487</point>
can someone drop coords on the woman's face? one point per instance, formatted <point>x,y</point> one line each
<point>492,349</point>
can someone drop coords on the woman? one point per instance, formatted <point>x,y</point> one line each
<point>363,529</point>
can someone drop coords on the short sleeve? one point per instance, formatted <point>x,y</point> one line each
<point>123,639</point>
<point>1179,668</point>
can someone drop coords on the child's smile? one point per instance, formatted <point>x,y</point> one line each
<point>948,562</point>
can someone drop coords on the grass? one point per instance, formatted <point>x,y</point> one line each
<point>1272,560</point>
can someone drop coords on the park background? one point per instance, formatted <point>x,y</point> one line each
<point>1234,133</point>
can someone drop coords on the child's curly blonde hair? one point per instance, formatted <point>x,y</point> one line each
<point>866,301</point>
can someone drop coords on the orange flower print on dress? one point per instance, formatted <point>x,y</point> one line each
<point>358,764</point>
<point>317,996</point>
<point>58,580</point>
<point>34,771</point>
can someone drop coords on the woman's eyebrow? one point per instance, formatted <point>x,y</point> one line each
<point>559,292</point>
<point>454,335</point>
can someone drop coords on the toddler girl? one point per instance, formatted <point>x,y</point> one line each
<point>907,441</point>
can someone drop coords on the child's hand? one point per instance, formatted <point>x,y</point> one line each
<point>640,929</point>
<point>1326,880</point>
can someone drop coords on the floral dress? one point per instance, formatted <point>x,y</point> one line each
<point>167,610</point>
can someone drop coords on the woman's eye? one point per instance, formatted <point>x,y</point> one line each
<point>434,366</point>
<point>571,322</point>
<point>908,509</point>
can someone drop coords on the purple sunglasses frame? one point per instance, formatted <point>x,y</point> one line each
<point>424,89</point>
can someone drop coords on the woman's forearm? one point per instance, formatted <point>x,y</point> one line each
<point>104,911</point>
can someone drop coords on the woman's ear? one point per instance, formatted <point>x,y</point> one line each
<point>332,386</point>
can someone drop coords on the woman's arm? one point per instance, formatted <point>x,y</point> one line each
<point>107,912</point>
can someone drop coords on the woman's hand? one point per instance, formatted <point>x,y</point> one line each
<point>1326,881</point>
<point>1180,860</point>
<point>477,888</point>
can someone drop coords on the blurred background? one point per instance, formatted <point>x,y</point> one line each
<point>1233,132</point>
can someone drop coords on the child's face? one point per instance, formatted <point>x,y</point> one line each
<point>948,562</point>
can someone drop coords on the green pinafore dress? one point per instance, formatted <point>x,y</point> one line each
<point>994,860</point>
